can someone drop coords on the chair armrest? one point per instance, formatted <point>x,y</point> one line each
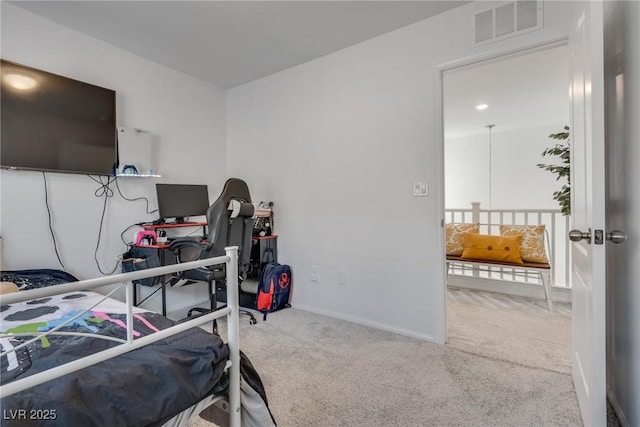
<point>188,242</point>
<point>189,249</point>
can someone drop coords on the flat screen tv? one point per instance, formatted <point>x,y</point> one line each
<point>181,201</point>
<point>53,123</point>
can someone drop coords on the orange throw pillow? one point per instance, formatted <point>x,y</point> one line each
<point>492,248</point>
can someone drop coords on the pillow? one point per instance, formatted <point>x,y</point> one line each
<point>453,234</point>
<point>8,288</point>
<point>532,249</point>
<point>492,248</point>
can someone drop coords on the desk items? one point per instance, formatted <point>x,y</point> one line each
<point>146,237</point>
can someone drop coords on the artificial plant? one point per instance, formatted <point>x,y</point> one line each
<point>563,152</point>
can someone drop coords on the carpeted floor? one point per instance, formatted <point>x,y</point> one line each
<point>322,372</point>
<point>510,328</point>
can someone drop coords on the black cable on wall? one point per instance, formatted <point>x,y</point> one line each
<point>53,236</point>
<point>134,199</point>
<point>103,191</point>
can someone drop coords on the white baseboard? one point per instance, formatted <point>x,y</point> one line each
<point>366,322</point>
<point>617,409</point>
<point>522,289</point>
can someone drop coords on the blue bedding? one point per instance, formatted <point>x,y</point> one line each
<point>39,278</point>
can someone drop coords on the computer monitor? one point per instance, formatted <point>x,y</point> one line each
<point>181,201</point>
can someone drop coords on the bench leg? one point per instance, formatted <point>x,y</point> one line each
<point>546,284</point>
<point>446,275</point>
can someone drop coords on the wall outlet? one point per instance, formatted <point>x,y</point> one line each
<point>342,278</point>
<point>314,274</point>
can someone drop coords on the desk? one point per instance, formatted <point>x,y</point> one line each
<point>160,249</point>
<point>174,225</point>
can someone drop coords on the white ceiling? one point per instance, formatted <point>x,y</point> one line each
<point>522,92</point>
<point>229,43</point>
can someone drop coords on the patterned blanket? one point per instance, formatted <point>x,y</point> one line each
<point>142,387</point>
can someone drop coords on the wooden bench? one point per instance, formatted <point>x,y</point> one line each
<point>543,269</point>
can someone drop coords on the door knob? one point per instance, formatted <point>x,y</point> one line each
<point>616,236</point>
<point>577,235</point>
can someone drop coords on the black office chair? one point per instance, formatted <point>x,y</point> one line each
<point>229,223</point>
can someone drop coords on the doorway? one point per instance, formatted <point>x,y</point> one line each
<point>498,115</point>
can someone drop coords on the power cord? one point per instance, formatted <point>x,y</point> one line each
<point>124,231</point>
<point>53,236</point>
<point>135,199</point>
<point>132,200</point>
<point>103,191</point>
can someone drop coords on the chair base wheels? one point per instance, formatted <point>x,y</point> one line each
<point>203,311</point>
<point>252,319</point>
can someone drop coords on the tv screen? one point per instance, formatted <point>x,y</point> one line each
<point>54,123</point>
<point>180,201</point>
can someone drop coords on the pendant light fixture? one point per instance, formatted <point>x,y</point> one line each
<point>490,127</point>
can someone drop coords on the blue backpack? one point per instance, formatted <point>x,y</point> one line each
<point>274,289</point>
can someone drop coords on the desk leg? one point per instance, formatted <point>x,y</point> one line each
<point>163,282</point>
<point>212,297</point>
<point>213,303</point>
<point>164,296</point>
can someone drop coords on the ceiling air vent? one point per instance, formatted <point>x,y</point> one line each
<point>508,20</point>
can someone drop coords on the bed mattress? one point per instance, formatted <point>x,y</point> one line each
<point>143,387</point>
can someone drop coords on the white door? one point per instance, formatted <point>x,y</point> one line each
<point>622,91</point>
<point>588,212</point>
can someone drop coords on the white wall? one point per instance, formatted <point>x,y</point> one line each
<point>516,181</point>
<point>337,143</point>
<point>185,116</point>
<point>622,75</point>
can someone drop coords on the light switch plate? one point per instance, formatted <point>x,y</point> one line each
<point>420,189</point>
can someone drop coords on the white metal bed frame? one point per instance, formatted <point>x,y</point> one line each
<point>126,279</point>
